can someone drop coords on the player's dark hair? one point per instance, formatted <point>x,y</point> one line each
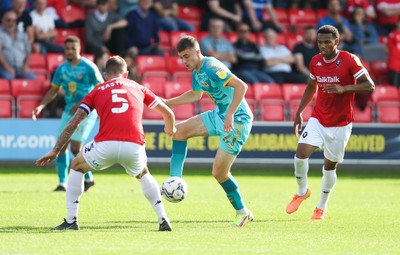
<point>328,29</point>
<point>72,39</point>
<point>186,42</point>
<point>116,65</point>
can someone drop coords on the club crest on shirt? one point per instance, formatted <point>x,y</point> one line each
<point>338,62</point>
<point>221,74</point>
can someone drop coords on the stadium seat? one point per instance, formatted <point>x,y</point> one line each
<point>321,13</point>
<point>156,77</point>
<point>281,15</point>
<point>72,13</point>
<point>175,64</point>
<point>363,116</point>
<point>54,60</point>
<point>91,57</point>
<point>292,40</point>
<point>173,89</point>
<point>6,106</point>
<point>385,93</point>
<point>150,114</point>
<point>379,71</point>
<point>293,109</point>
<point>250,93</point>
<point>388,113</point>
<point>184,111</point>
<point>182,77</point>
<point>165,40</point>
<point>300,18</point>
<point>267,91</point>
<point>37,61</point>
<point>156,88</point>
<point>26,104</point>
<point>150,63</point>
<point>62,34</point>
<point>293,92</point>
<point>26,87</point>
<point>5,88</point>
<point>191,14</point>
<point>272,111</point>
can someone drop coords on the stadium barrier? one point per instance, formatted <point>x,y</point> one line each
<point>274,143</point>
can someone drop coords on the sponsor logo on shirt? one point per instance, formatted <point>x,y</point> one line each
<point>328,79</point>
<point>319,64</point>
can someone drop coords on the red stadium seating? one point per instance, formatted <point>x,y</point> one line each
<point>292,40</point>
<point>156,88</point>
<point>72,13</point>
<point>379,71</point>
<point>281,15</point>
<point>175,64</point>
<point>321,13</point>
<point>5,88</point>
<point>37,61</point>
<point>191,14</point>
<point>6,106</point>
<point>385,93</point>
<point>150,114</point>
<point>300,18</point>
<point>165,40</point>
<point>156,77</point>
<point>363,116</point>
<point>150,63</point>
<point>54,60</point>
<point>293,109</point>
<point>184,111</point>
<point>267,91</point>
<point>176,36</point>
<point>250,93</point>
<point>182,77</point>
<point>388,113</point>
<point>26,87</point>
<point>272,111</point>
<point>173,89</point>
<point>293,92</point>
<point>62,34</point>
<point>26,104</point>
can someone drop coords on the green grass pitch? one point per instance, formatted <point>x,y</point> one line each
<point>115,218</point>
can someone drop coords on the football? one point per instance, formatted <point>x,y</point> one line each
<point>174,189</point>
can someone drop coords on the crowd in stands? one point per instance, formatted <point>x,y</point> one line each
<point>268,44</point>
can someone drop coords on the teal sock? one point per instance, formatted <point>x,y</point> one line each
<point>231,188</point>
<point>179,151</point>
<point>89,176</point>
<point>62,164</point>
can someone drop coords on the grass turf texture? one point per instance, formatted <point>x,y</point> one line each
<point>115,218</point>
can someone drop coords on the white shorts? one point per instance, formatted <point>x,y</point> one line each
<point>332,140</point>
<point>102,155</point>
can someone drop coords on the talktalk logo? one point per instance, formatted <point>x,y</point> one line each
<point>328,79</point>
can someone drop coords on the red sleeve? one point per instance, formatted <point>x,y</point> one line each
<point>355,66</point>
<point>150,99</point>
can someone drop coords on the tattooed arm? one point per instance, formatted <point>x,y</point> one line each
<point>64,138</point>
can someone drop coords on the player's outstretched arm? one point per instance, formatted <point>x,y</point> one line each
<point>188,97</point>
<point>63,138</point>
<point>50,95</point>
<point>168,116</point>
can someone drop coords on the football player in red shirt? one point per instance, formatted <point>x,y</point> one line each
<point>119,103</point>
<point>335,77</point>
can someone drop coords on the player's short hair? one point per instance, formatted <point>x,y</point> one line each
<point>328,29</point>
<point>72,39</point>
<point>187,42</point>
<point>116,65</point>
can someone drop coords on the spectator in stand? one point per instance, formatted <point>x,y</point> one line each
<point>104,32</point>
<point>305,51</point>
<point>365,4</point>
<point>248,66</point>
<point>214,45</point>
<point>24,22</point>
<point>44,28</point>
<point>278,60</point>
<point>126,6</point>
<point>142,31</point>
<point>394,56</point>
<point>364,33</point>
<point>388,13</point>
<point>334,18</point>
<point>227,10</point>
<point>7,5</point>
<point>253,15</point>
<point>167,11</point>
<point>15,49</point>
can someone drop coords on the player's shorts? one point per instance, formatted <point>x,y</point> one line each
<point>230,142</point>
<point>102,155</point>
<point>84,129</point>
<point>333,140</point>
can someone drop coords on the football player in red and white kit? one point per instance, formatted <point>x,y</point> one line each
<point>119,103</point>
<point>335,75</point>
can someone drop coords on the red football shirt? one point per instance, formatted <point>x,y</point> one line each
<point>119,104</point>
<point>394,50</point>
<point>335,110</point>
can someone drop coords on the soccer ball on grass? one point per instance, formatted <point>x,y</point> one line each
<point>174,189</point>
